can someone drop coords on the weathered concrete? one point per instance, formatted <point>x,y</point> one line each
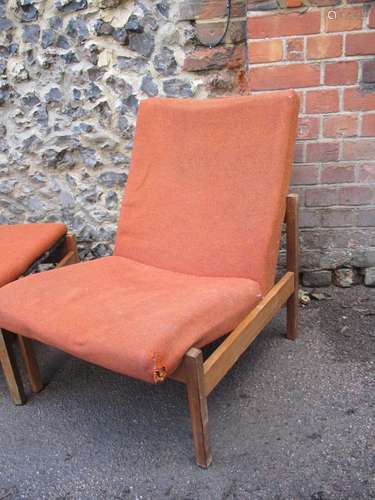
<point>292,420</point>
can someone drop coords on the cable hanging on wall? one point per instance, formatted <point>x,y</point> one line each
<point>222,38</point>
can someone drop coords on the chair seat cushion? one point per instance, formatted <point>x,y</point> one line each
<point>23,244</point>
<point>126,316</point>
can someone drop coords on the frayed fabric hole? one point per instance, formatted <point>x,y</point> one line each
<point>160,375</point>
<point>160,372</point>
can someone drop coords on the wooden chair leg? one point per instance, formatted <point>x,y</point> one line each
<point>10,369</point>
<point>198,406</point>
<point>292,316</point>
<point>31,364</point>
<point>70,252</point>
<point>292,264</point>
<point>72,247</point>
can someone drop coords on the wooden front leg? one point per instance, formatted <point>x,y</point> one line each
<point>31,364</point>
<point>292,231</point>
<point>193,364</point>
<point>10,369</point>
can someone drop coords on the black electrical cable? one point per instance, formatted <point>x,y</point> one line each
<point>222,38</point>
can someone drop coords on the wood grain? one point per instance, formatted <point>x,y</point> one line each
<point>10,369</point>
<point>225,356</point>
<point>292,230</point>
<point>193,362</point>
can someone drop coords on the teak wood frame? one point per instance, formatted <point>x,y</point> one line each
<point>63,254</point>
<point>200,376</point>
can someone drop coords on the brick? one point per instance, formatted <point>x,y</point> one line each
<point>370,276</point>
<point>262,5</point>
<point>295,49</point>
<point>309,217</point>
<point>346,277</point>
<point>215,58</point>
<point>336,174</point>
<point>366,218</point>
<point>299,153</point>
<point>356,195</point>
<point>321,197</point>
<point>368,71</point>
<point>208,9</point>
<point>212,32</point>
<point>324,3</point>
<point>368,125</point>
<point>322,101</point>
<point>241,81</point>
<point>338,217</point>
<point>265,51</point>
<point>344,19</point>
<point>363,257</point>
<point>358,100</point>
<point>343,238</point>
<point>363,149</point>
<point>341,73</point>
<point>366,173</point>
<point>284,77</point>
<point>284,24</point>
<point>334,258</point>
<point>360,44</point>
<point>292,4</point>
<point>310,259</point>
<point>322,152</point>
<point>305,174</point>
<point>238,57</point>
<point>324,46</point>
<point>316,279</point>
<point>371,17</point>
<point>308,127</point>
<point>340,126</point>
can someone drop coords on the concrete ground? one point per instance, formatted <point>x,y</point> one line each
<point>291,421</point>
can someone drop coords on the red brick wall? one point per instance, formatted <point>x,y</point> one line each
<point>221,67</point>
<point>326,51</point>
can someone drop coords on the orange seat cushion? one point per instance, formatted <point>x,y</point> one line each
<point>123,315</point>
<point>23,244</point>
<point>207,185</point>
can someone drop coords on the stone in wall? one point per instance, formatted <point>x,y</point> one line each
<point>72,73</point>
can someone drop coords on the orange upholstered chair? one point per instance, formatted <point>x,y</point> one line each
<point>195,254</point>
<point>22,248</point>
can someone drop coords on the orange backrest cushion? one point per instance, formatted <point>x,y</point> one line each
<point>207,185</point>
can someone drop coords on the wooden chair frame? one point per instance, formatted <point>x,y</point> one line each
<point>63,253</point>
<point>200,376</point>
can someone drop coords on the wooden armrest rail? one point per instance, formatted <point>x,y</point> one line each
<point>236,343</point>
<point>226,355</point>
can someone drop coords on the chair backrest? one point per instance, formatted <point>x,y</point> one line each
<point>207,185</point>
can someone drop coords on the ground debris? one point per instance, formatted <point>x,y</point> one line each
<point>305,297</point>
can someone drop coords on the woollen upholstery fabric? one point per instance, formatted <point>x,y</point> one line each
<point>197,240</point>
<point>207,185</point>
<point>126,316</point>
<point>23,244</point>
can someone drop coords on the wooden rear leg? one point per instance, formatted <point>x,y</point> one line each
<point>31,364</point>
<point>70,252</point>
<point>193,363</point>
<point>292,263</point>
<point>292,316</point>
<point>11,373</point>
